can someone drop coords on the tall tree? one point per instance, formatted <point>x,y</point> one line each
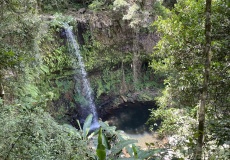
<point>204,92</point>
<point>193,80</point>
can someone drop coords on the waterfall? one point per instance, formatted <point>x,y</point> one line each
<point>85,90</point>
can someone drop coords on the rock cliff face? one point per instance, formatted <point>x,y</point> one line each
<point>116,51</point>
<point>112,30</point>
<point>117,54</point>
<point>114,45</point>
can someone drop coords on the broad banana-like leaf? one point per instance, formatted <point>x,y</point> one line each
<point>105,141</point>
<point>79,125</point>
<point>134,151</point>
<point>87,124</point>
<point>120,145</point>
<point>101,152</point>
<point>146,154</point>
<point>110,129</point>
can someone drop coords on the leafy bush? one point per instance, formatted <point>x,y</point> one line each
<point>59,19</point>
<point>96,5</point>
<point>33,134</point>
<point>47,5</point>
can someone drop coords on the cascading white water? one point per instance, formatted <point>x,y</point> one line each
<point>86,89</point>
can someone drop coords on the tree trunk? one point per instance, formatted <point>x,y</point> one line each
<point>203,99</point>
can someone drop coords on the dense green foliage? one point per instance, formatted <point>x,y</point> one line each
<point>30,133</point>
<point>38,98</point>
<point>179,56</point>
<point>37,76</point>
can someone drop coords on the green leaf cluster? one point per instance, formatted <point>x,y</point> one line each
<point>179,57</point>
<point>34,134</point>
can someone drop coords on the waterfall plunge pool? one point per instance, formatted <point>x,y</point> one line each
<point>131,118</point>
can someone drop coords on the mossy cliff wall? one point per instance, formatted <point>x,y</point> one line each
<point>116,55</point>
